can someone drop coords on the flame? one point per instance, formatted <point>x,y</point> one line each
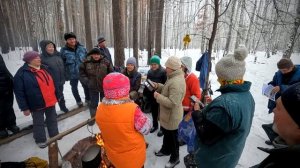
<point>100,141</point>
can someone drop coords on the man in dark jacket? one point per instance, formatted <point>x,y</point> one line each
<point>7,114</point>
<point>51,57</point>
<point>73,54</point>
<point>287,121</point>
<point>287,75</point>
<point>105,51</point>
<point>92,73</point>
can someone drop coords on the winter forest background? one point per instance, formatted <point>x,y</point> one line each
<point>262,25</point>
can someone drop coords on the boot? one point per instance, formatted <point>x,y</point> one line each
<point>153,129</point>
<point>92,113</point>
<point>160,133</point>
<point>62,106</point>
<point>172,163</point>
<point>14,129</point>
<point>3,133</point>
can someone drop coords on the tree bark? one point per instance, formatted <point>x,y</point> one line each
<point>231,25</point>
<point>66,12</point>
<point>291,43</point>
<point>160,15</point>
<point>87,20</point>
<point>74,12</point>
<point>118,28</point>
<point>135,30</point>
<point>151,29</point>
<point>7,25</point>
<point>32,31</point>
<point>4,42</point>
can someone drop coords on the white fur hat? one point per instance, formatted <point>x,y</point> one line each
<point>232,66</point>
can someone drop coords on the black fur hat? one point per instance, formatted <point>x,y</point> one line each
<point>69,35</point>
<point>95,51</point>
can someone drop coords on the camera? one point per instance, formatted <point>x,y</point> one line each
<point>150,85</point>
<point>194,99</point>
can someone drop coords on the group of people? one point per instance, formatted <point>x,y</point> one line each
<point>221,127</point>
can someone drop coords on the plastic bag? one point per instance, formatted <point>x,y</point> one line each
<point>187,132</point>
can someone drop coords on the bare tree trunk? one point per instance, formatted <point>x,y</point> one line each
<point>135,30</point>
<point>240,39</point>
<point>32,33</point>
<point>160,15</point>
<point>231,25</point>
<point>291,43</point>
<point>151,29</point>
<point>7,24</point>
<point>204,38</point>
<point>210,43</point>
<point>87,20</point>
<point>249,32</point>
<point>4,42</point>
<point>74,13</point>
<point>60,23</point>
<point>118,27</point>
<point>98,17</point>
<point>66,12</point>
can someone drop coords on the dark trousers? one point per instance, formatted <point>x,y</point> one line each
<point>62,102</point>
<point>154,112</point>
<point>74,88</point>
<point>94,95</point>
<point>39,133</point>
<point>170,144</point>
<point>7,114</point>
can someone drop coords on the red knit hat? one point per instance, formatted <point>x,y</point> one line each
<point>116,85</point>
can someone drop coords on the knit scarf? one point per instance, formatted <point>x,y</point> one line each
<point>228,82</point>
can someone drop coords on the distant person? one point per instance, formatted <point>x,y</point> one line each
<point>224,124</point>
<point>169,96</point>
<point>134,77</point>
<point>156,74</point>
<point>102,46</point>
<point>287,121</point>
<point>52,58</point>
<point>7,113</point>
<point>92,72</point>
<point>36,95</point>
<point>73,54</point>
<point>122,124</point>
<point>287,75</point>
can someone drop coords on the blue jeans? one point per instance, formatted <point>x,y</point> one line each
<point>74,88</point>
<point>39,133</point>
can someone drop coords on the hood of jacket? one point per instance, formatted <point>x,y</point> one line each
<point>43,45</point>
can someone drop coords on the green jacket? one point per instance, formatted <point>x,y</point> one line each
<point>170,100</point>
<point>232,111</point>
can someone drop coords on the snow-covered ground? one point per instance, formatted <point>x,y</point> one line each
<point>258,73</point>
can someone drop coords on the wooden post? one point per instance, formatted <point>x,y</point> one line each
<point>53,155</point>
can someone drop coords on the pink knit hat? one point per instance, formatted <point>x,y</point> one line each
<point>116,85</point>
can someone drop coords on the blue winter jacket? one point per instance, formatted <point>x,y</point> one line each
<point>278,81</point>
<point>73,58</point>
<point>27,90</point>
<point>232,112</point>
